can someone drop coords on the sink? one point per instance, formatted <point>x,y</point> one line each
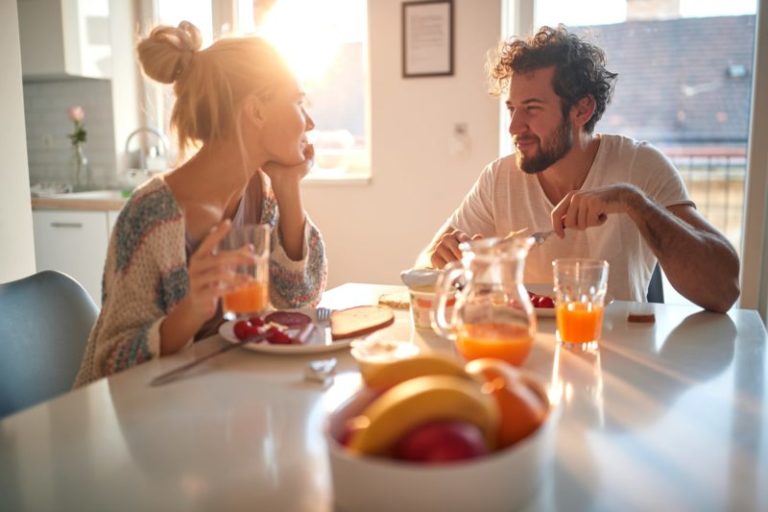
<point>94,195</point>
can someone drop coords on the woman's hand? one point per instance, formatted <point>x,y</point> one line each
<point>213,274</point>
<point>285,184</point>
<point>281,175</point>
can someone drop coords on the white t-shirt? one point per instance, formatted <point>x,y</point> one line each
<point>504,199</point>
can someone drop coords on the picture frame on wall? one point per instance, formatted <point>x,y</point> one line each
<point>427,29</point>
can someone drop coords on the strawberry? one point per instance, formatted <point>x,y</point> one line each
<point>277,337</point>
<point>546,302</point>
<point>243,329</point>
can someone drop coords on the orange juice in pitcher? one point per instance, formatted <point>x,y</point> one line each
<point>512,343</point>
<point>493,315</point>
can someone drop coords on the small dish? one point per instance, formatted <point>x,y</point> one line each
<point>420,279</point>
<point>319,340</point>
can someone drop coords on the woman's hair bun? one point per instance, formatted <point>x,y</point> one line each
<point>167,51</point>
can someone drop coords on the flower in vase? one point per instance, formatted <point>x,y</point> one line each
<point>78,135</point>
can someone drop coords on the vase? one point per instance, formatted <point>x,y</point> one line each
<point>80,169</point>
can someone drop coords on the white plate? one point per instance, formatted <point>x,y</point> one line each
<point>319,340</point>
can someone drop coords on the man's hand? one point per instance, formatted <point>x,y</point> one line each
<point>447,249</point>
<point>581,209</point>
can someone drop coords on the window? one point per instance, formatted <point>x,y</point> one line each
<point>157,99</point>
<point>325,43</point>
<point>685,79</point>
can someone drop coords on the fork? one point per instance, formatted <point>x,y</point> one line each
<point>322,314</point>
<point>540,236</point>
<point>514,233</point>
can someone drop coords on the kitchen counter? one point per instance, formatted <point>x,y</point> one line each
<point>99,200</point>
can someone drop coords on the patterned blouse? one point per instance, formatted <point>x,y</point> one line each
<point>145,275</point>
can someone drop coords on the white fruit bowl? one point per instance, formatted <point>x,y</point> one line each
<point>504,480</point>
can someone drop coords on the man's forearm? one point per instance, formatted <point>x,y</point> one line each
<point>699,263</point>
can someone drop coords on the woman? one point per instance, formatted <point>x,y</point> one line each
<point>238,103</point>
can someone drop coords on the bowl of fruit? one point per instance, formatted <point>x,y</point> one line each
<point>430,433</point>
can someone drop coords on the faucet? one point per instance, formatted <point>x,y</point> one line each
<point>142,154</point>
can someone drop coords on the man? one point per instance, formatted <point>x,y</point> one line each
<point>606,196</point>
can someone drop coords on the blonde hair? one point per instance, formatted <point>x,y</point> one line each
<point>211,84</point>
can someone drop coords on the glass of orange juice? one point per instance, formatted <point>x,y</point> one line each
<point>253,296</point>
<point>580,286</point>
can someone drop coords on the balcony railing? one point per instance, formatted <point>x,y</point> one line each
<point>714,177</point>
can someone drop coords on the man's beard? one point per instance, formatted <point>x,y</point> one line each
<point>560,143</point>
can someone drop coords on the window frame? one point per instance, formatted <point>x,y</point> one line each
<point>519,16</point>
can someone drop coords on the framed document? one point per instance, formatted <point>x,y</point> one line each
<point>428,38</point>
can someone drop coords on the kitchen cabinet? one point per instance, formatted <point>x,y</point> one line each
<point>73,242</point>
<point>65,38</point>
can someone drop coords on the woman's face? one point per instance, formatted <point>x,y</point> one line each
<point>286,123</point>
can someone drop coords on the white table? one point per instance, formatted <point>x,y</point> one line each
<point>668,416</point>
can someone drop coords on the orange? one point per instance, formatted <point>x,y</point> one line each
<point>522,409</point>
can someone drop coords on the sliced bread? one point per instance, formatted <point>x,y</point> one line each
<point>397,300</point>
<point>360,320</point>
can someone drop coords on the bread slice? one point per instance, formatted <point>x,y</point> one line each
<point>397,300</point>
<point>360,320</point>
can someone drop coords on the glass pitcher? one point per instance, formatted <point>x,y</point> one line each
<point>493,315</point>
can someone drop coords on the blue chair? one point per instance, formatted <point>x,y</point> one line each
<point>656,286</point>
<point>45,320</point>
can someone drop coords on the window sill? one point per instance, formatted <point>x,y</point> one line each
<point>338,178</point>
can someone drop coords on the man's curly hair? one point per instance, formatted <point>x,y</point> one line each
<point>579,67</point>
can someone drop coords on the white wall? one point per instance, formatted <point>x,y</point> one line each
<point>372,231</point>
<point>17,252</point>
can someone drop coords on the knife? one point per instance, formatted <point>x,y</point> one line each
<point>171,375</point>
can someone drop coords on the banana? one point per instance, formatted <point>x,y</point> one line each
<point>420,400</point>
<point>387,375</point>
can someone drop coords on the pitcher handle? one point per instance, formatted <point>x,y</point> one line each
<point>444,289</point>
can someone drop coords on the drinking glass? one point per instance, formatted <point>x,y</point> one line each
<point>253,296</point>
<point>580,286</point>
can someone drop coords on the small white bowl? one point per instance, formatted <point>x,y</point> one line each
<point>504,480</point>
<point>420,279</point>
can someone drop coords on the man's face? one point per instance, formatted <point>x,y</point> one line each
<point>540,133</point>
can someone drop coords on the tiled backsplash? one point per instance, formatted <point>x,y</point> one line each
<point>48,146</point>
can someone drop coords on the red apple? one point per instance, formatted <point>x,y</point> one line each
<point>440,442</point>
